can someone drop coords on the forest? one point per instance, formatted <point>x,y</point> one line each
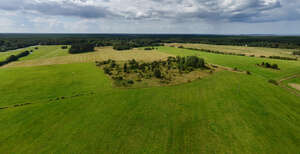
<point>128,41</point>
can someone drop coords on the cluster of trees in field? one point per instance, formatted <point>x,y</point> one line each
<point>238,54</point>
<point>81,48</point>
<point>13,58</point>
<point>296,53</point>
<point>163,70</point>
<point>134,44</point>
<point>150,48</point>
<point>214,51</point>
<point>268,65</point>
<point>120,42</point>
<point>64,47</point>
<point>283,58</point>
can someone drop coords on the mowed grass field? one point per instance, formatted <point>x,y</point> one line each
<point>226,112</point>
<point>257,51</point>
<point>41,53</point>
<point>287,68</point>
<point>51,57</point>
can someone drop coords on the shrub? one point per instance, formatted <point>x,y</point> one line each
<point>148,49</point>
<point>107,71</point>
<point>273,82</point>
<point>274,66</point>
<point>157,73</point>
<point>64,47</point>
<point>130,82</point>
<point>282,58</point>
<point>268,65</point>
<point>296,53</point>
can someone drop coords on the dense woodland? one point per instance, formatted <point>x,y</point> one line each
<point>127,41</point>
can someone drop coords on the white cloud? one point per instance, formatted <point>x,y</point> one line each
<point>97,15</point>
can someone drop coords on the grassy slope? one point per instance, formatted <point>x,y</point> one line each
<point>258,51</point>
<point>4,55</point>
<point>226,112</point>
<point>41,52</point>
<point>242,62</point>
<point>56,56</point>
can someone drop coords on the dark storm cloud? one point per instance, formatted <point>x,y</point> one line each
<point>176,10</point>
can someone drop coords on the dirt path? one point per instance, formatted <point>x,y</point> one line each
<point>294,91</point>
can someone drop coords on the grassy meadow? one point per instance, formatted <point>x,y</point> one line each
<point>257,51</point>
<point>244,63</point>
<point>76,109</point>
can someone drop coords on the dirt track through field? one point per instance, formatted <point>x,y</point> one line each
<point>287,87</point>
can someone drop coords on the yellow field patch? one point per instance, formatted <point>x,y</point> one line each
<point>99,55</point>
<point>257,51</point>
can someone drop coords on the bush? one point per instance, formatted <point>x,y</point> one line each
<point>148,48</point>
<point>273,82</point>
<point>268,65</point>
<point>64,47</point>
<point>274,66</point>
<point>107,71</point>
<point>157,73</point>
<point>130,82</point>
<point>282,58</point>
<point>296,53</point>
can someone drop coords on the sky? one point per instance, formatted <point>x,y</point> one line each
<point>151,16</point>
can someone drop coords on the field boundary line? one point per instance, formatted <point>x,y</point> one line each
<point>294,91</point>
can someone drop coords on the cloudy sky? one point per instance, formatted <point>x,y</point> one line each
<point>151,16</point>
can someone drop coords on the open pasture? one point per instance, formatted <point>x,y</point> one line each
<point>257,51</point>
<point>225,112</point>
<point>100,54</point>
<point>287,68</point>
<point>74,108</point>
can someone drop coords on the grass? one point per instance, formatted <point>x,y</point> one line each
<point>43,52</point>
<point>219,114</point>
<point>225,112</point>
<point>257,51</point>
<point>242,62</point>
<point>99,55</point>
<point>293,83</point>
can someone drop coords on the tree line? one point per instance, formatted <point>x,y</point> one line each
<point>119,41</point>
<point>13,58</point>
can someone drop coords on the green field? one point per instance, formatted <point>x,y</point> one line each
<point>242,62</point>
<point>257,51</point>
<point>41,53</point>
<point>75,109</point>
